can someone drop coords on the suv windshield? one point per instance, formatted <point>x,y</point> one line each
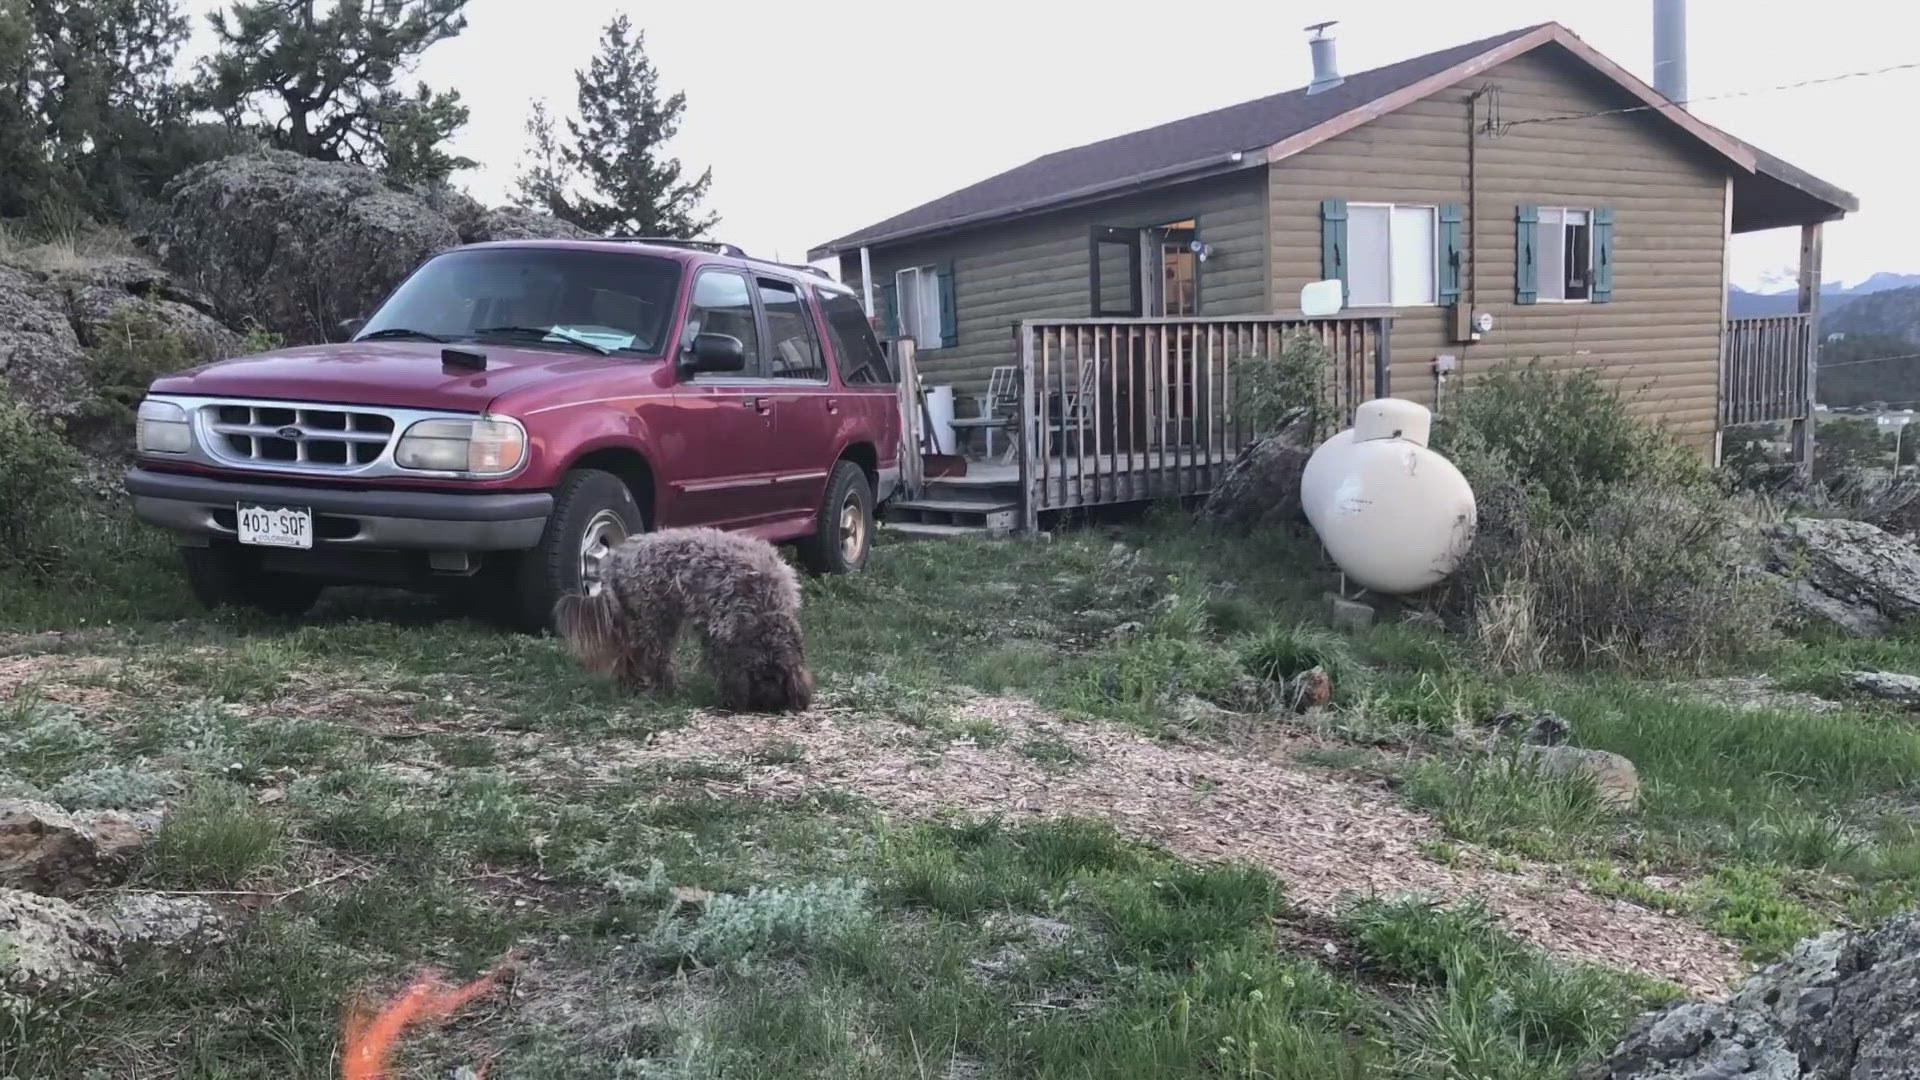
<point>546,297</point>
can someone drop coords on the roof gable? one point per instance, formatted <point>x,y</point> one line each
<point>1256,132</point>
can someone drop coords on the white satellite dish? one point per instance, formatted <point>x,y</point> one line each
<point>1323,298</point>
<point>1395,516</point>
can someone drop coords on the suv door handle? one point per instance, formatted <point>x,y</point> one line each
<point>757,404</point>
<point>833,405</point>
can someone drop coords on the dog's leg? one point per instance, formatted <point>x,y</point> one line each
<point>646,661</point>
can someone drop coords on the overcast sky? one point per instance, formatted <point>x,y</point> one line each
<point>821,118</point>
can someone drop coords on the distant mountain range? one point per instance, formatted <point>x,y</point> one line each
<point>1834,296</point>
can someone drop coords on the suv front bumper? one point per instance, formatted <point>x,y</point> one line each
<point>392,520</point>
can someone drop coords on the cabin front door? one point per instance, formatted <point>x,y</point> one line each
<point>1117,278</point>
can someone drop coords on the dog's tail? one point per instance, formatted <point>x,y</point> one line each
<point>586,624</point>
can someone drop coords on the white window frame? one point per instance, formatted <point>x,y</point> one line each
<point>1553,222</point>
<point>1433,286</point>
<point>917,290</point>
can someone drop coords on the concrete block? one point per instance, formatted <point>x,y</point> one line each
<point>1348,615</point>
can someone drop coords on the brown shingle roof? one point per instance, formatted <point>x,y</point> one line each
<point>1194,141</point>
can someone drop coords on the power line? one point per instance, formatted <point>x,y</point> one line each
<point>1875,360</point>
<point>1911,65</point>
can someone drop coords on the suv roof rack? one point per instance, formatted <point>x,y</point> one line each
<point>716,246</point>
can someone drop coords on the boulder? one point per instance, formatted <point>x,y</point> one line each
<point>294,244</point>
<point>1843,1006</point>
<point>1889,685</point>
<point>41,360</point>
<point>1849,574</point>
<point>49,945</point>
<point>102,298</point>
<point>515,223</point>
<point>143,924</point>
<point>1614,777</point>
<point>45,850</point>
<point>1261,489</point>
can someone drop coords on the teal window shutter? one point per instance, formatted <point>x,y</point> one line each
<point>1602,291</point>
<point>1333,242</point>
<point>890,296</point>
<point>1451,255</point>
<point>1526,255</point>
<point>949,317</point>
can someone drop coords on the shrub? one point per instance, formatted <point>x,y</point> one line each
<point>1272,391</point>
<point>135,347</point>
<point>36,474</point>
<point>1569,437</point>
<point>815,915</point>
<point>1602,539</point>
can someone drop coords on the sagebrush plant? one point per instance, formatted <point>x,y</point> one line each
<point>113,787</point>
<point>1602,539</point>
<point>796,918</point>
<point>37,469</point>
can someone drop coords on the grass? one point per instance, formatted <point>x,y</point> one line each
<point>467,788</point>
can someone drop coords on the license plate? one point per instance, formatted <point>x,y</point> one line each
<point>275,526</point>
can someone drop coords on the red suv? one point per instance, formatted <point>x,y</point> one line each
<point>512,412</point>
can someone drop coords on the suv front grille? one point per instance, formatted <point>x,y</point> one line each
<point>317,438</point>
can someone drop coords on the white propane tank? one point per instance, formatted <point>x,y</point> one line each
<point>1395,516</point>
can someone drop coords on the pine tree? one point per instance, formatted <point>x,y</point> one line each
<point>611,175</point>
<point>542,184</point>
<point>324,84</point>
<point>88,101</point>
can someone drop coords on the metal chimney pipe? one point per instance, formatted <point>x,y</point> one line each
<point>1326,73</point>
<point>1670,49</point>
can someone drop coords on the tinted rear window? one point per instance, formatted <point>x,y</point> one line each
<point>862,361</point>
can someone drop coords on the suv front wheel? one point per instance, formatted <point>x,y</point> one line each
<point>843,534</point>
<point>593,511</point>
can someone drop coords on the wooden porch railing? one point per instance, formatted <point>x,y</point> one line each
<point>1126,410</point>
<point>1766,377</point>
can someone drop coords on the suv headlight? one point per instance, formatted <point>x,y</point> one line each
<point>162,428</point>
<point>490,447</point>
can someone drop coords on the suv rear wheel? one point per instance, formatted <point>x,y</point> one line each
<point>224,577</point>
<point>593,511</point>
<point>843,535</point>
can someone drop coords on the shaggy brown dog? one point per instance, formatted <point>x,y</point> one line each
<point>741,596</point>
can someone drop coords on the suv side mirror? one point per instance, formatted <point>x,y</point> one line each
<point>717,352</point>
<point>348,329</point>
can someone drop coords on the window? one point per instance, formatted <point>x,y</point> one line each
<point>862,361</point>
<point>722,305</point>
<point>1566,254</point>
<point>917,291</point>
<point>1392,255</point>
<point>617,301</point>
<point>794,351</point>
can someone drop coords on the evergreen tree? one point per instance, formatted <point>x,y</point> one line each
<point>611,174</point>
<point>88,102</point>
<point>324,84</point>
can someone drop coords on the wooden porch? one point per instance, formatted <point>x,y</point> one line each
<point>1110,411</point>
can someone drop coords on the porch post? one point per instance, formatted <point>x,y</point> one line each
<point>866,279</point>
<point>1803,434</point>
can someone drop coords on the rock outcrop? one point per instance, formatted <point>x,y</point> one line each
<point>1887,685</point>
<point>1847,574</point>
<point>41,361</point>
<point>1845,1006</point>
<point>297,245</point>
<point>51,945</point>
<point>45,850</point>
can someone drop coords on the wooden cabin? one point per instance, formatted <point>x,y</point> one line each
<point>1514,198</point>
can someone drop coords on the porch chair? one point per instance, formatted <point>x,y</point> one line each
<point>994,408</point>
<point>1069,407</point>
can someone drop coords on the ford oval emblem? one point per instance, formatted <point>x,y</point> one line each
<point>291,434</point>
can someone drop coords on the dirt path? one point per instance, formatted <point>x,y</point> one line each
<point>1325,837</point>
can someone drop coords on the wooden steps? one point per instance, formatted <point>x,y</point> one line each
<point>957,506</point>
